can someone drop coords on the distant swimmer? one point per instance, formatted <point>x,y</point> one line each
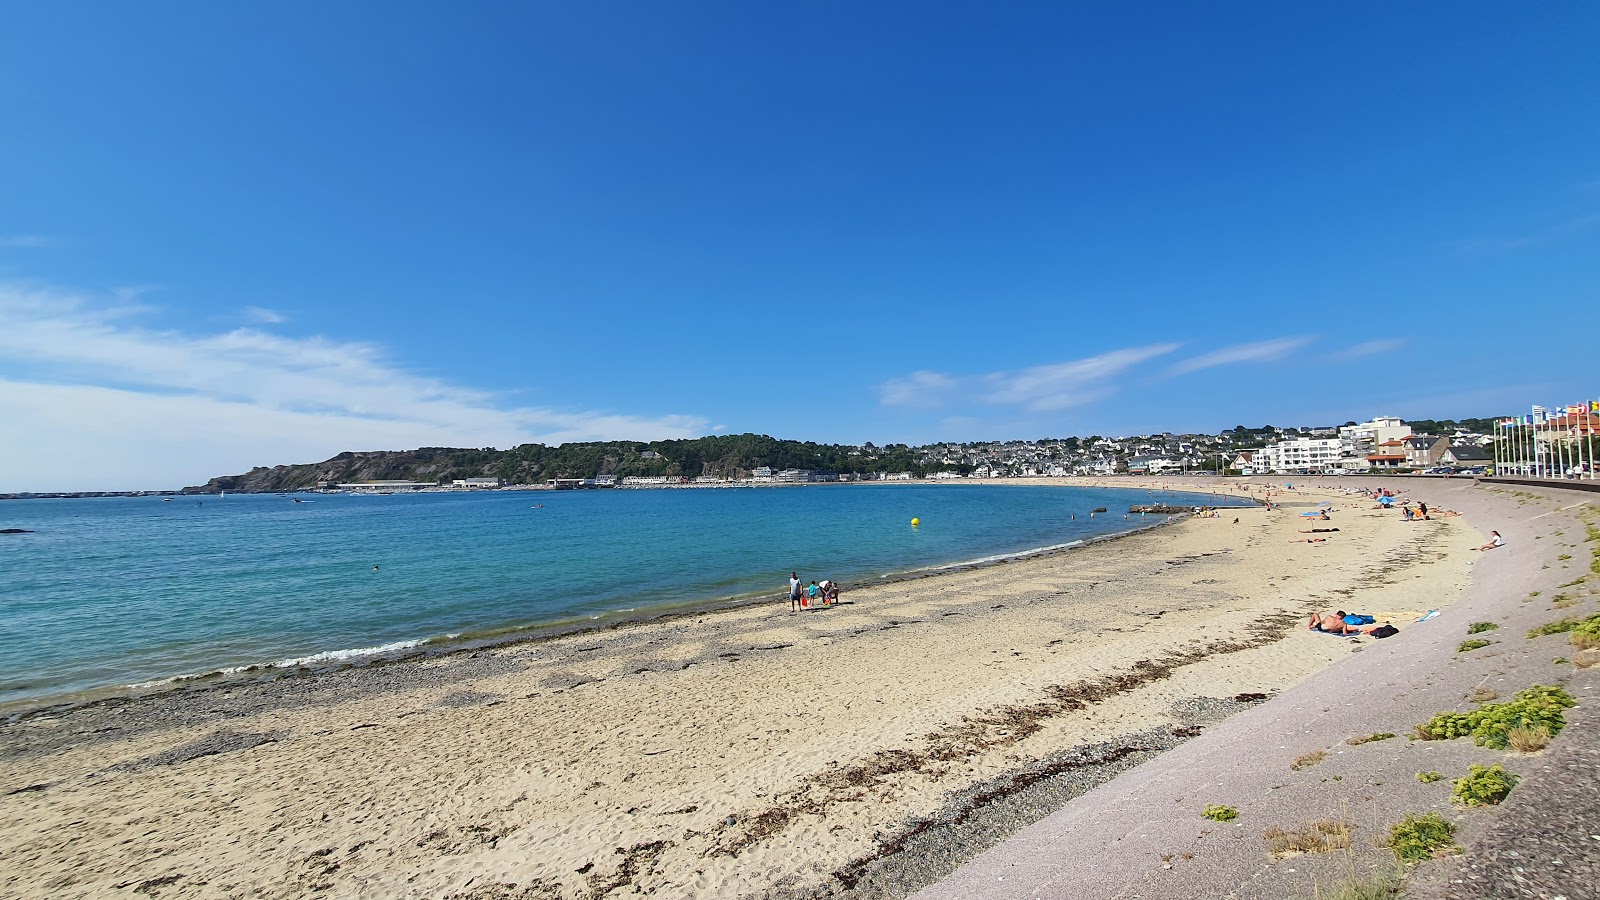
<point>374,568</point>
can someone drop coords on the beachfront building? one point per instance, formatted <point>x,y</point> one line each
<point>1361,440</point>
<point>475,483</point>
<point>1465,456</point>
<point>1388,455</point>
<point>1424,449</point>
<point>1300,456</point>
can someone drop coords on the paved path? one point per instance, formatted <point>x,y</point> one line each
<point>1142,836</point>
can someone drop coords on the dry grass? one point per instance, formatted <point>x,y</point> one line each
<point>1586,659</point>
<point>1307,760</point>
<point>1483,695</point>
<point>1369,738</point>
<point>1584,641</point>
<point>1312,837</point>
<point>1527,740</point>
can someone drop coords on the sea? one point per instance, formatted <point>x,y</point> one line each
<point>107,594</point>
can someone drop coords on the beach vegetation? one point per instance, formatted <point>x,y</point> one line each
<point>1539,706</point>
<point>1586,634</point>
<point>1218,812</point>
<point>1473,644</point>
<point>1428,777</point>
<point>1563,601</point>
<point>1369,738</point>
<point>1562,660</point>
<point>1559,626</point>
<point>1378,886</point>
<point>1307,760</point>
<point>1483,786</point>
<point>1311,837</point>
<point>1416,838</point>
<point>1527,740</point>
<point>1564,557</point>
<point>1482,694</point>
<point>1480,627</point>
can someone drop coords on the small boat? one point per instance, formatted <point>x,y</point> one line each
<point>1098,509</point>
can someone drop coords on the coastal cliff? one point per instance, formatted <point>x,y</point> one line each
<point>724,456</point>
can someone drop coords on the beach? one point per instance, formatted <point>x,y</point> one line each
<point>745,752</point>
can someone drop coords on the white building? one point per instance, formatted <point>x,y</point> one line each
<point>1299,456</point>
<point>476,483</point>
<point>1361,440</point>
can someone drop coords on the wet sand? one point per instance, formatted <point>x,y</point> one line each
<point>748,752</point>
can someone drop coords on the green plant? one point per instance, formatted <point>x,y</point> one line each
<point>1416,838</point>
<point>1586,634</point>
<point>1564,557</point>
<point>1534,593</point>
<point>1560,660</point>
<point>1483,786</point>
<point>1474,644</point>
<point>1369,738</point>
<point>1539,706</point>
<point>1217,812</point>
<point>1479,627</point>
<point>1428,777</point>
<point>1559,626</point>
<point>1379,886</point>
<point>1563,601</point>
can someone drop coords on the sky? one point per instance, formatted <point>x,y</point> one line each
<point>238,235</point>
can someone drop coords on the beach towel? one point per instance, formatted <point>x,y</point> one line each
<point>1428,615</point>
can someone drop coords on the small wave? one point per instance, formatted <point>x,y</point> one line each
<point>292,662</point>
<point>998,557</point>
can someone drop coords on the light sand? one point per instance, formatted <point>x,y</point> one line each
<point>720,756</point>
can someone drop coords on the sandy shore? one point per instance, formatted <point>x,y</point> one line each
<point>752,752</point>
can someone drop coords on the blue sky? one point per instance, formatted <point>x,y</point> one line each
<point>235,236</point>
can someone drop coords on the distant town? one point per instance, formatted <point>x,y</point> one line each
<point>1384,444</point>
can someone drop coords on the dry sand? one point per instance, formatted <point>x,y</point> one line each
<point>752,752</point>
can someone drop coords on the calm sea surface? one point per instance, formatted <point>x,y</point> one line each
<point>128,591</point>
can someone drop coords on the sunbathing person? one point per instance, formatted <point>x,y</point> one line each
<point>1316,530</point>
<point>1310,541</point>
<point>1335,624</point>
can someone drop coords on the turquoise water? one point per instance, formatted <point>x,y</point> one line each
<point>129,591</point>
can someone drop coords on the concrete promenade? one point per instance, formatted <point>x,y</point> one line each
<point>1143,835</point>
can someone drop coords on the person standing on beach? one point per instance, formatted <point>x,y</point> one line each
<point>794,591</point>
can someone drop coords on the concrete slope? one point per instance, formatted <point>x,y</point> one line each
<point>1143,835</point>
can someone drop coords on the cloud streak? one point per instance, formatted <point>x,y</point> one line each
<point>71,363</point>
<point>23,241</point>
<point>1370,348</point>
<point>1259,351</point>
<point>262,315</point>
<point>1046,388</point>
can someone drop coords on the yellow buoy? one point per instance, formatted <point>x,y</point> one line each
<point>916,521</point>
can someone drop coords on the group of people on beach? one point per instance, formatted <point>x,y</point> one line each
<point>812,596</point>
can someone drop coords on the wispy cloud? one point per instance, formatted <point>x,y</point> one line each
<point>1260,351</point>
<point>1045,388</point>
<point>1520,241</point>
<point>1370,348</point>
<point>71,363</point>
<point>263,316</point>
<point>917,389</point>
<point>23,241</point>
